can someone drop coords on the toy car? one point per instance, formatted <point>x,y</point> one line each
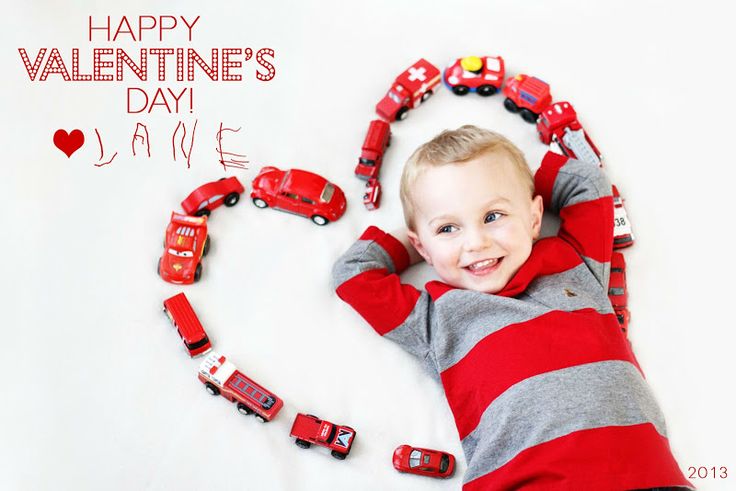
<point>410,89</point>
<point>528,95</point>
<point>559,124</point>
<point>372,196</point>
<point>300,192</point>
<point>209,196</point>
<point>308,429</point>
<point>187,324</point>
<point>221,377</point>
<point>622,234</point>
<point>423,461</point>
<point>475,74</point>
<point>376,141</point>
<point>185,244</point>
<point>617,292</point>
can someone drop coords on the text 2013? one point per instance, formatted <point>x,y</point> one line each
<point>707,472</point>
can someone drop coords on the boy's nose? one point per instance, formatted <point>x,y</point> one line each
<point>477,240</point>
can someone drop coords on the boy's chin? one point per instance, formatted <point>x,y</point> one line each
<point>490,286</point>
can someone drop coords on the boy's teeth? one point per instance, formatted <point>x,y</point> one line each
<point>482,264</point>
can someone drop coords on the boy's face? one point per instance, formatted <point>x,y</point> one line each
<point>475,222</point>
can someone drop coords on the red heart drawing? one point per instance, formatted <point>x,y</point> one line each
<point>68,142</point>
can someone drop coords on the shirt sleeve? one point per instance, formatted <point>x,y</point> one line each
<point>581,194</point>
<point>367,278</point>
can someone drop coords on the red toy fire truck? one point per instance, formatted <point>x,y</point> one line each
<point>221,377</point>
<point>528,95</point>
<point>372,196</point>
<point>209,196</point>
<point>410,89</point>
<point>376,141</point>
<point>308,429</point>
<point>475,74</point>
<point>185,244</point>
<point>617,291</point>
<point>187,324</point>
<point>622,235</point>
<point>559,123</point>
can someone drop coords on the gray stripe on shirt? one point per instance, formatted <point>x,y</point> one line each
<point>359,252</point>
<point>554,404</point>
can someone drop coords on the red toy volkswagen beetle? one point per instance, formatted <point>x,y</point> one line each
<point>209,196</point>
<point>423,461</point>
<point>185,244</point>
<point>300,192</point>
<point>483,75</point>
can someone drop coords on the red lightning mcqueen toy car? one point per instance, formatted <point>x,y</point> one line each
<point>308,429</point>
<point>475,74</point>
<point>423,461</point>
<point>209,196</point>
<point>299,192</point>
<point>185,244</point>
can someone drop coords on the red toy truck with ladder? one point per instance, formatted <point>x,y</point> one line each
<point>221,377</point>
<point>410,89</point>
<point>559,123</point>
<point>376,141</point>
<point>308,429</point>
<point>528,95</point>
<point>182,316</point>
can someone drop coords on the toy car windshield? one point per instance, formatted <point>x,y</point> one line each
<point>174,252</point>
<point>367,161</point>
<point>327,193</point>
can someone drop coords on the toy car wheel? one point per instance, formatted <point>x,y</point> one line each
<point>198,272</point>
<point>214,391</point>
<point>243,409</point>
<point>460,89</point>
<point>231,199</point>
<point>261,418</point>
<point>402,113</point>
<point>510,106</point>
<point>426,95</point>
<point>320,220</point>
<point>206,247</point>
<point>204,212</point>
<point>302,443</point>
<point>528,116</point>
<point>338,455</point>
<point>486,90</point>
<point>260,203</point>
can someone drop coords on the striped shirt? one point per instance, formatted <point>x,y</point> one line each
<point>545,391</point>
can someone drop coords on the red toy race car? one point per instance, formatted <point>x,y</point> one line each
<point>376,141</point>
<point>622,234</point>
<point>300,192</point>
<point>221,377</point>
<point>559,123</point>
<point>475,74</point>
<point>423,461</point>
<point>185,245</point>
<point>617,292</point>
<point>308,429</point>
<point>529,95</point>
<point>410,89</point>
<point>372,196</point>
<point>209,196</point>
<point>187,324</point>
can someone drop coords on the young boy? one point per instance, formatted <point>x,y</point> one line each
<point>544,388</point>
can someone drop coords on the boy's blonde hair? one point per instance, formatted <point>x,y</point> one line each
<point>456,147</point>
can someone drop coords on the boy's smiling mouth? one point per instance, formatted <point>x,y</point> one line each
<point>484,266</point>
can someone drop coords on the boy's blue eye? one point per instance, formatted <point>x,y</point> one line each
<point>492,217</point>
<point>446,229</point>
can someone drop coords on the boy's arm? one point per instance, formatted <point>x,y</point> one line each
<point>581,194</point>
<point>367,278</point>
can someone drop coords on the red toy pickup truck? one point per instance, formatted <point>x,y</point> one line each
<point>308,429</point>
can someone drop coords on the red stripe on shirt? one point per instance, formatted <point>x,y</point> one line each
<point>518,351</point>
<point>544,179</point>
<point>390,244</point>
<point>588,227</point>
<point>611,458</point>
<point>380,298</point>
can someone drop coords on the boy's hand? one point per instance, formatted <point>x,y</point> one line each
<point>403,237</point>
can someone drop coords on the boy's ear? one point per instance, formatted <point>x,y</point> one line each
<point>417,244</point>
<point>537,213</point>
